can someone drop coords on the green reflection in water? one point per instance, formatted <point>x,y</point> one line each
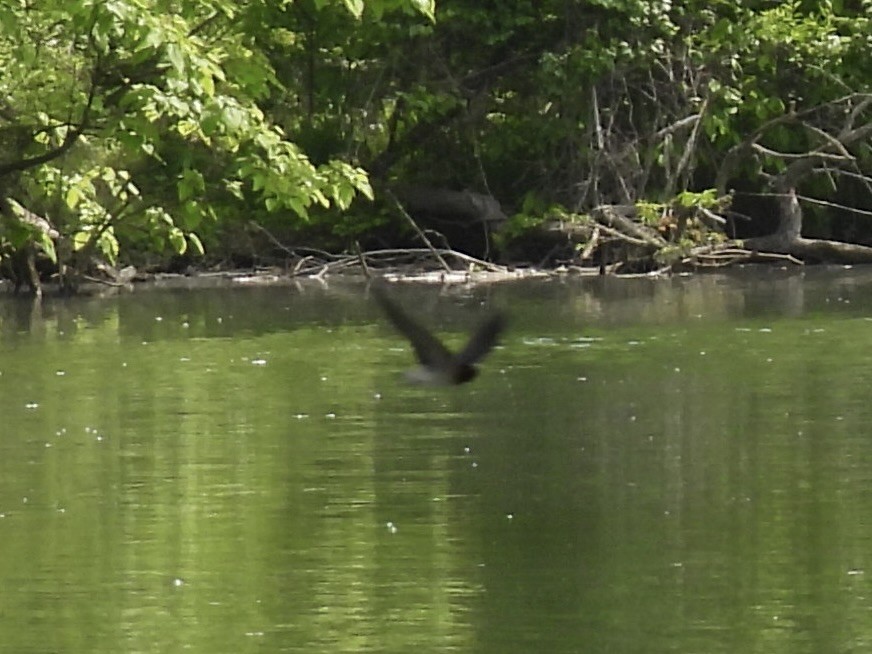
<point>672,466</point>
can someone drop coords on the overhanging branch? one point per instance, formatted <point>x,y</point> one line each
<point>70,139</point>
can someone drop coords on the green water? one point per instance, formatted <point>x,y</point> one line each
<point>679,465</point>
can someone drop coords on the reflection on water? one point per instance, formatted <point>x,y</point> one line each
<point>646,465</point>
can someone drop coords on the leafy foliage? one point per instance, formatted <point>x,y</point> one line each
<point>157,126</point>
<point>109,105</point>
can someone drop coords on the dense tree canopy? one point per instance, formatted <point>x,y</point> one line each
<point>139,122</point>
<point>131,130</point>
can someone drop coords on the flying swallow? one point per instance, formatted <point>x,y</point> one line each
<point>438,365</point>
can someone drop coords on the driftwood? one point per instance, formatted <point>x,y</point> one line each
<point>610,237</point>
<point>786,245</point>
<point>309,262</point>
<point>611,220</point>
<point>620,219</point>
<point>788,239</point>
<point>832,129</point>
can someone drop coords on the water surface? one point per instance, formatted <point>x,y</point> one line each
<point>675,465</point>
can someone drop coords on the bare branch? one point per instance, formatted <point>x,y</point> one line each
<point>836,205</point>
<point>800,156</point>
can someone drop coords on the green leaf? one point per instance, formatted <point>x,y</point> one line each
<point>177,240</point>
<point>192,184</point>
<point>365,187</point>
<point>298,207</point>
<point>48,246</point>
<point>80,240</point>
<point>344,195</point>
<point>355,7</point>
<point>426,7</point>
<point>176,57</point>
<point>191,215</point>
<point>207,82</point>
<point>235,189</point>
<point>109,246</point>
<point>196,243</point>
<point>320,198</point>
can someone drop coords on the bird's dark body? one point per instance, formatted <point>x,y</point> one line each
<point>438,364</point>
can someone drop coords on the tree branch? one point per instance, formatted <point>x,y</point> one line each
<point>69,140</point>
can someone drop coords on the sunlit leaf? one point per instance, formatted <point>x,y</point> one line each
<point>298,207</point>
<point>355,7</point>
<point>177,240</point>
<point>365,188</point>
<point>80,240</point>
<point>176,57</point>
<point>108,245</point>
<point>73,196</point>
<point>196,243</point>
<point>426,7</point>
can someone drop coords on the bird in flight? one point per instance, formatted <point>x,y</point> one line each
<point>438,365</point>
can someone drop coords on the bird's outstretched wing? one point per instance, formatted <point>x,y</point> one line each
<point>483,340</point>
<point>429,349</point>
